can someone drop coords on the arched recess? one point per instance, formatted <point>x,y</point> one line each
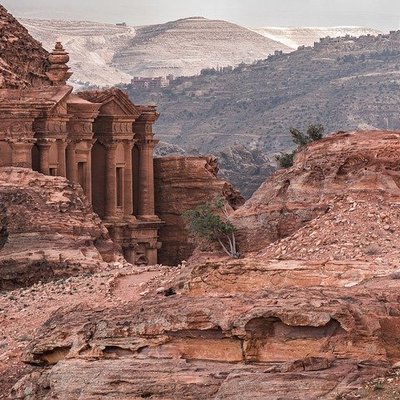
<point>98,178</point>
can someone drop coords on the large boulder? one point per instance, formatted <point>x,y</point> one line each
<point>47,229</point>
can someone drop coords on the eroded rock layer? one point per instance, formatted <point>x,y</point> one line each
<point>47,229</point>
<point>253,328</point>
<point>22,58</point>
<point>226,330</point>
<point>181,183</point>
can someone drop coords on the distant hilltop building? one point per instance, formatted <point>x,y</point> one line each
<point>121,24</point>
<point>148,83</point>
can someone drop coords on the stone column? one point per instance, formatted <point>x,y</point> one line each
<point>111,181</point>
<point>22,153</point>
<point>146,178</point>
<point>72,168</point>
<point>44,153</point>
<point>88,174</point>
<point>61,146</point>
<point>128,178</point>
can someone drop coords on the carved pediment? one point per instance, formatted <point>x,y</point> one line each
<point>114,103</point>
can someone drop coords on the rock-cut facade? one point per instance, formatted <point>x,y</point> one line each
<point>98,139</point>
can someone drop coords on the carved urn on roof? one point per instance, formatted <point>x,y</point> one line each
<point>58,69</point>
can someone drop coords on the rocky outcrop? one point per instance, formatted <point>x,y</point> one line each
<point>224,330</point>
<point>182,183</point>
<point>47,229</point>
<point>250,328</point>
<point>345,171</point>
<point>22,58</point>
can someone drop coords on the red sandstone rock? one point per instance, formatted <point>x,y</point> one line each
<point>256,327</point>
<point>181,183</point>
<point>347,167</point>
<point>47,229</point>
<point>22,58</point>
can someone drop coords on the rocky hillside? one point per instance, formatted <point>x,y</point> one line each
<point>186,46</point>
<point>237,329</point>
<point>344,83</point>
<point>22,58</point>
<point>105,54</point>
<point>47,230</point>
<point>307,36</point>
<point>91,45</point>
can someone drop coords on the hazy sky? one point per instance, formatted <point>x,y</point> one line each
<point>381,14</point>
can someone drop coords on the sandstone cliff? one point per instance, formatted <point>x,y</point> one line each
<point>181,183</point>
<point>253,328</point>
<point>47,229</point>
<point>22,58</point>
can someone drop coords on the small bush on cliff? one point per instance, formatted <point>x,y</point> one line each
<point>314,133</point>
<point>211,222</point>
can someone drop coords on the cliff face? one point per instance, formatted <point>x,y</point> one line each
<point>347,171</point>
<point>47,229</point>
<point>181,183</point>
<point>242,329</point>
<point>248,328</point>
<point>22,58</point>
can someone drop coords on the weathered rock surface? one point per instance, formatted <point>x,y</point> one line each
<point>264,327</point>
<point>22,58</point>
<point>47,229</point>
<point>357,173</point>
<point>243,330</point>
<point>181,183</point>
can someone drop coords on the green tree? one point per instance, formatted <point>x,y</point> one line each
<point>210,221</point>
<point>314,133</point>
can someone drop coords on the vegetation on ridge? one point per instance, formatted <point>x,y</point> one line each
<point>314,133</point>
<point>210,221</point>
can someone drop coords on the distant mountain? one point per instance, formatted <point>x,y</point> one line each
<point>344,83</point>
<point>106,54</point>
<point>307,36</point>
<point>186,46</point>
<point>91,46</point>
